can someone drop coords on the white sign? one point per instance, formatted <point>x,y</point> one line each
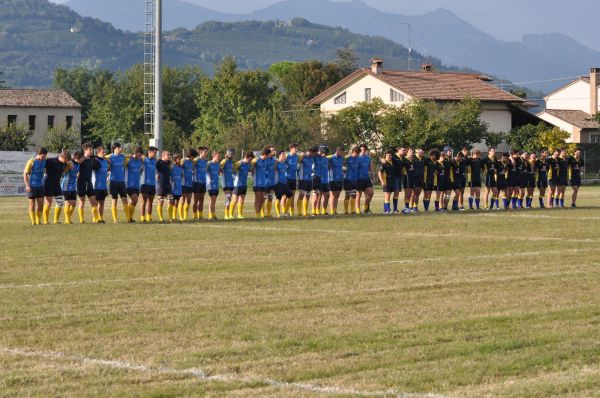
<point>12,165</point>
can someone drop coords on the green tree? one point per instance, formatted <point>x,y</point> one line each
<point>303,81</point>
<point>14,137</point>
<point>61,138</point>
<point>464,126</point>
<point>358,124</point>
<point>526,138</point>
<point>493,139</point>
<point>347,61</point>
<point>552,138</point>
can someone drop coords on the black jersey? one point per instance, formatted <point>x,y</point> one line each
<point>563,168</point>
<point>575,166</point>
<point>163,173</point>
<point>388,171</point>
<point>490,166</point>
<point>398,163</point>
<point>87,168</point>
<point>475,166</point>
<point>552,165</point>
<point>54,171</point>
<point>541,169</point>
<point>430,171</point>
<point>419,166</point>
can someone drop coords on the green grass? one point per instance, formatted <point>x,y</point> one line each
<point>462,305</point>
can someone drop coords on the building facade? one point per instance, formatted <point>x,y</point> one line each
<point>39,111</point>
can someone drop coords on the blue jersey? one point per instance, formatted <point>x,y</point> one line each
<point>134,172</point>
<point>200,171</point>
<point>306,168</point>
<point>352,168</point>
<point>212,176</point>
<point>240,179</point>
<point>149,171</point>
<point>227,173</point>
<point>270,174</point>
<point>336,168</point>
<point>117,168</point>
<point>260,171</point>
<point>69,180</point>
<point>364,167</point>
<point>37,170</point>
<point>323,163</point>
<point>292,167</point>
<point>177,179</point>
<point>188,173</point>
<point>281,173</point>
<point>101,175</point>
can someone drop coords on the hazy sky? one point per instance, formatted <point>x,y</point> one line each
<point>503,19</point>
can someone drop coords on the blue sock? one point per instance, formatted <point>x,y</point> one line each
<point>426,204</point>
<point>541,202</point>
<point>395,201</point>
<point>497,203</point>
<point>470,203</point>
<point>514,201</point>
<point>506,203</point>
<point>492,203</point>
<point>520,201</point>
<point>455,204</point>
<point>562,202</point>
<point>477,203</point>
<point>557,200</point>
<point>437,205</point>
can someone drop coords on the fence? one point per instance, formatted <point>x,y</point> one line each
<point>12,165</point>
<point>591,158</point>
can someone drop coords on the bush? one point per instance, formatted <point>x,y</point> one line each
<point>14,137</point>
<point>61,138</point>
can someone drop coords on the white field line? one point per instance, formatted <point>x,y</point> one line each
<point>204,376</point>
<point>361,264</point>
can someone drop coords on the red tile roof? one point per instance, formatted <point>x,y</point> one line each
<point>437,86</point>
<point>578,119</point>
<point>33,98</point>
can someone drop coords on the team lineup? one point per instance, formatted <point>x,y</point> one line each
<point>182,182</point>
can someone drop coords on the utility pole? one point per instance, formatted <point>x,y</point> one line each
<point>409,42</point>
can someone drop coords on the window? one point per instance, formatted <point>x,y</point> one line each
<point>594,139</point>
<point>69,122</point>
<point>367,95</point>
<point>50,122</point>
<point>12,119</point>
<point>340,99</point>
<point>32,122</point>
<point>395,96</point>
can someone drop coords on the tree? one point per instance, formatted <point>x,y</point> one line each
<point>525,138</point>
<point>61,138</point>
<point>302,81</point>
<point>14,137</point>
<point>465,127</point>
<point>554,138</point>
<point>493,139</point>
<point>347,61</point>
<point>359,124</point>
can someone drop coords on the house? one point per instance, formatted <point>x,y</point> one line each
<point>39,110</point>
<point>501,110</point>
<point>573,107</point>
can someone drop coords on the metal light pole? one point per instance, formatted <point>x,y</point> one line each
<point>409,42</point>
<point>158,105</point>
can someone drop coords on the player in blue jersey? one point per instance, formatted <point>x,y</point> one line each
<point>34,185</point>
<point>69,186</point>
<point>213,171</point>
<point>227,180</point>
<point>365,185</point>
<point>148,188</point>
<point>241,170</point>
<point>351,180</point>
<point>306,174</point>
<point>259,174</point>
<point>325,189</point>
<point>270,175</point>
<point>336,178</point>
<point>283,193</point>
<point>187,184</point>
<point>200,183</point>
<point>118,163</point>
<point>133,169</point>
<point>100,183</point>
<point>177,180</point>
<point>292,176</point>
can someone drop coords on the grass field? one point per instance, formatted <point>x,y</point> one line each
<point>458,305</point>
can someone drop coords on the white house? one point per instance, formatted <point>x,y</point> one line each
<point>573,106</point>
<point>40,110</point>
<point>398,87</point>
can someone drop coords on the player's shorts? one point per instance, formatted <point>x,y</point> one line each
<point>562,181</point>
<point>388,188</point>
<point>101,194</point>
<point>36,193</point>
<point>411,182</point>
<point>420,181</point>
<point>187,190</point>
<point>133,191</point>
<point>336,186</point>
<point>270,188</point>
<point>292,184</point>
<point>576,181</point>
<point>501,182</point>
<point>513,180</point>
<point>52,190</point>
<point>349,185</point>
<point>305,186</point>
<point>85,188</point>
<point>177,198</point>
<point>429,187</point>
<point>213,192</point>
<point>199,187</point>
<point>364,184</point>
<point>490,181</point>
<point>475,184</point>
<point>461,181</point>
<point>148,190</point>
<point>70,195</point>
<point>118,189</point>
<point>552,182</point>
<point>531,181</point>
<point>442,184</point>
<point>523,181</point>
<point>282,190</point>
<point>542,182</point>
<point>325,187</point>
<point>260,189</point>
<point>397,184</point>
<point>230,189</point>
<point>240,191</point>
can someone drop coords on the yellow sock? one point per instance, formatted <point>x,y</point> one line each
<point>305,207</point>
<point>95,217</point>
<point>287,207</point>
<point>159,211</point>
<point>68,212</point>
<point>186,211</point>
<point>172,212</point>
<point>127,210</point>
<point>80,212</point>
<point>226,213</point>
<point>57,213</point>
<point>148,217</point>
<point>357,209</point>
<point>32,217</point>
<point>113,211</point>
<point>290,206</point>
<point>277,208</point>
<point>262,212</point>
<point>346,205</point>
<point>210,215</point>
<point>38,217</point>
<point>240,208</point>
<point>179,211</point>
<point>46,214</point>
<point>323,211</point>
<point>269,208</point>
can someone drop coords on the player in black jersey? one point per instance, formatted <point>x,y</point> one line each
<point>576,166</point>
<point>541,176</point>
<point>552,165</point>
<point>430,173</point>
<point>475,164</point>
<point>562,178</point>
<point>490,170</point>
<point>514,169</point>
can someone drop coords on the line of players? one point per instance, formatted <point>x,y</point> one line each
<point>514,176</point>
<point>182,182</point>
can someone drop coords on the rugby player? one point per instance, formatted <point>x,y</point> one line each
<point>148,189</point>
<point>563,177</point>
<point>200,183</point>
<point>213,170</point>
<point>398,176</point>
<point>530,166</point>
<point>336,178</point>
<point>227,179</point>
<point>283,193</point>
<point>100,183</point>
<point>85,188</point>
<point>503,178</point>
<point>475,164</point>
<point>34,173</point>
<point>553,178</point>
<point>514,170</point>
<point>133,168</point>
<point>270,181</point>
<point>177,179</point>
<point>69,186</point>
<point>541,171</point>
<point>55,168</point>
<point>292,176</point>
<point>118,163</point>
<point>259,171</point>
<point>576,166</point>
<point>241,169</point>
<point>490,170</point>
<point>386,178</point>
<point>164,189</point>
<point>364,185</point>
<point>430,172</point>
<point>306,164</point>
<point>419,178</point>
<point>187,185</point>
<point>325,189</point>
<point>351,180</point>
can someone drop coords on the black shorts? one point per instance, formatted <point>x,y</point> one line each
<point>240,191</point>
<point>164,190</point>
<point>350,185</point>
<point>411,182</point>
<point>52,190</point>
<point>316,183</point>
<point>260,189</point>
<point>336,186</point>
<point>305,186</point>
<point>199,187</point>
<point>230,189</point>
<point>388,188</point>
<point>325,187</point>
<point>36,193</point>
<point>429,187</point>
<point>461,181</point>
<point>397,184</point>
<point>213,192</point>
<point>531,181</point>
<point>501,183</point>
<point>442,184</point>
<point>187,190</point>
<point>70,195</point>
<point>101,194</point>
<point>490,181</point>
<point>562,181</point>
<point>523,181</point>
<point>118,189</point>
<point>364,184</point>
<point>552,182</point>
<point>292,184</point>
<point>148,190</point>
<point>133,191</point>
<point>282,190</point>
<point>542,183</point>
<point>576,181</point>
<point>177,198</point>
<point>475,184</point>
<point>270,188</point>
<point>513,180</point>
<point>85,188</point>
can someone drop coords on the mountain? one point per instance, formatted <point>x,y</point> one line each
<point>36,37</point>
<point>440,33</point>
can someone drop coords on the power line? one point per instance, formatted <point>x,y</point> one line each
<point>540,81</point>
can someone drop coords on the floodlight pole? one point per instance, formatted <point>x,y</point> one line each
<point>158,105</point>
<point>409,42</point>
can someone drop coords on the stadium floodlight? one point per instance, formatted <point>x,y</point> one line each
<point>153,105</point>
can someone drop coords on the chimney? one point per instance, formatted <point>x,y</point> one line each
<point>594,80</point>
<point>426,68</point>
<point>377,66</point>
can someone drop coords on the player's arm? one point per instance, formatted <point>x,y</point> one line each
<point>236,166</point>
<point>27,174</point>
<point>380,175</point>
